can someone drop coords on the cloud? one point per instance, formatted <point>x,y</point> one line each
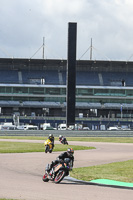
<point>24,23</point>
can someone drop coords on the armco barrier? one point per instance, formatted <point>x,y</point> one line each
<point>66,133</point>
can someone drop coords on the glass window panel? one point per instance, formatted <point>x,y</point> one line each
<point>36,99</point>
<point>53,91</point>
<point>20,90</point>
<point>84,91</point>
<point>63,91</point>
<point>6,98</point>
<point>2,89</point>
<point>8,89</point>
<point>36,90</point>
<point>129,92</point>
<point>101,91</point>
<point>20,99</point>
<point>117,92</point>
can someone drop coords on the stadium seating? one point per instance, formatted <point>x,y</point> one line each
<point>35,76</point>
<point>115,78</point>
<point>8,76</point>
<point>59,78</point>
<point>87,78</point>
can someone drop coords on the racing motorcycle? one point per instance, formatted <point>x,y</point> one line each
<point>63,140</point>
<point>59,171</point>
<point>48,146</point>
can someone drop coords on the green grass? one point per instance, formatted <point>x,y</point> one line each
<point>24,137</point>
<point>102,139</point>
<point>23,147</point>
<point>119,171</point>
<point>8,199</point>
<point>82,139</point>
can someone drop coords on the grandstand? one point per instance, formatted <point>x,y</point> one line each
<point>37,87</point>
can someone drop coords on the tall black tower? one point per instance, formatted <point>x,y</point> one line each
<point>71,73</point>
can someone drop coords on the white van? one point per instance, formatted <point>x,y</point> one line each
<point>113,128</point>
<point>30,127</point>
<point>7,126</point>
<point>45,126</point>
<point>62,127</point>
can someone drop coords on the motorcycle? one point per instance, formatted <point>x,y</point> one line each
<point>63,141</point>
<point>48,146</point>
<point>59,171</point>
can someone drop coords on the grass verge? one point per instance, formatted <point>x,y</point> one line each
<point>23,147</point>
<point>8,199</point>
<point>119,171</point>
<point>103,139</point>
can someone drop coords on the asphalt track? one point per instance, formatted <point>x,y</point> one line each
<point>21,174</point>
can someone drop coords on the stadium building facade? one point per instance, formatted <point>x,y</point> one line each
<point>37,87</point>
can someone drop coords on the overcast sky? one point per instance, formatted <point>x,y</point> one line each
<point>24,23</point>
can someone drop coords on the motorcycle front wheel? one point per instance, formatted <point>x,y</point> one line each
<point>60,175</point>
<point>46,148</point>
<point>45,179</point>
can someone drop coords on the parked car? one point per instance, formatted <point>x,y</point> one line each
<point>62,127</point>
<point>113,128</point>
<point>86,128</point>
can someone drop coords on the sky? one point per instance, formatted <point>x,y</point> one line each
<point>24,24</point>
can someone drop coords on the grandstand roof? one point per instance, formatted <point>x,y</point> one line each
<point>39,64</point>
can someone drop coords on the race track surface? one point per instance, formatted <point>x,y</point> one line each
<point>21,174</point>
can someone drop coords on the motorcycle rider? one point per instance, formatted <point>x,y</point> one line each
<point>60,159</point>
<point>51,138</point>
<point>61,138</point>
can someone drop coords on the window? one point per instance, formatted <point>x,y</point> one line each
<point>53,91</point>
<point>36,90</point>
<point>2,89</point>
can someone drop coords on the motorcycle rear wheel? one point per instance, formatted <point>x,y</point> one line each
<point>50,151</point>
<point>66,142</point>
<point>60,175</point>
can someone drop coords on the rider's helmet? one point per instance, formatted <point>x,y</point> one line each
<point>60,136</point>
<point>70,151</point>
<point>50,136</point>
